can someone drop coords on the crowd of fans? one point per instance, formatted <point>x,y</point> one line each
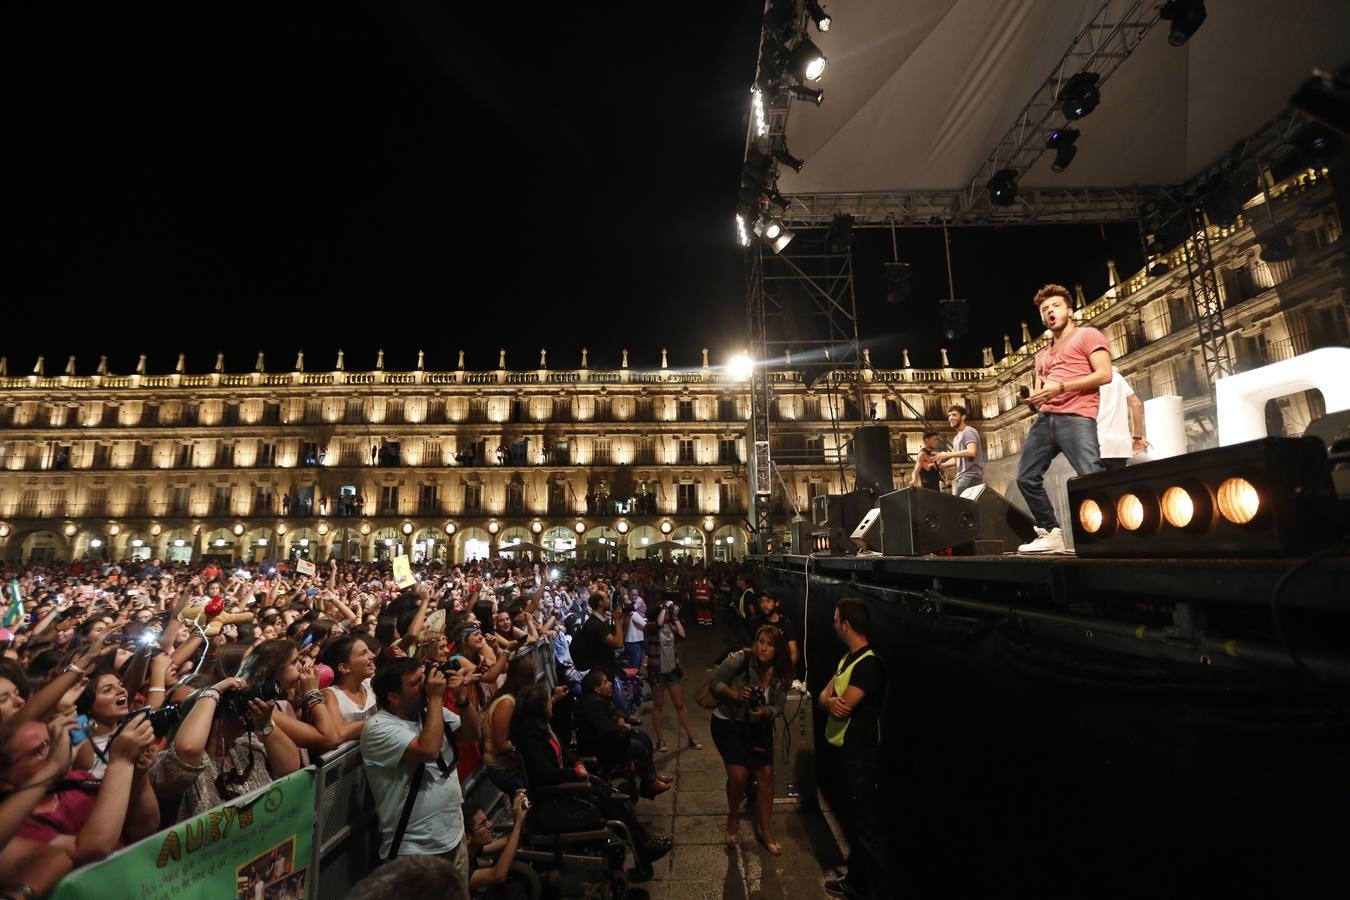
<point>137,694</point>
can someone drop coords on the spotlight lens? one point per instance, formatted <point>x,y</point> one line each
<point>1090,516</point>
<point>1178,507</point>
<point>1130,512</point>
<point>772,230</point>
<point>815,68</point>
<point>1239,501</point>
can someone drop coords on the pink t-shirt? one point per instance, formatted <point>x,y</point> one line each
<point>1065,360</point>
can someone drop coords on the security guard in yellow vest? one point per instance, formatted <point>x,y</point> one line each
<point>853,701</point>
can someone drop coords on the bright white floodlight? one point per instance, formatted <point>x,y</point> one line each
<point>741,367</point>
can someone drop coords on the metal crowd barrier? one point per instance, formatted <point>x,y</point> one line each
<point>346,833</point>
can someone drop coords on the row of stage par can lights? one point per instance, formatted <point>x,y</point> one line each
<point>1266,498</point>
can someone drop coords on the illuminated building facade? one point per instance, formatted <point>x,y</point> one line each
<point>601,463</point>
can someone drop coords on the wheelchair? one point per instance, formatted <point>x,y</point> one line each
<point>568,841</point>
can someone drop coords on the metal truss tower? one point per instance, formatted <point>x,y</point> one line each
<point>1204,289</point>
<point>803,326</point>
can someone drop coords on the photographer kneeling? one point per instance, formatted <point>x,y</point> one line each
<point>751,689</point>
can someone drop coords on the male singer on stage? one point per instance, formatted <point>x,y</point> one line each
<point>967,453</point>
<point>1068,373</point>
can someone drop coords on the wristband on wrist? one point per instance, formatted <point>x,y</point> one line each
<point>209,694</point>
<point>154,690</point>
<point>74,668</point>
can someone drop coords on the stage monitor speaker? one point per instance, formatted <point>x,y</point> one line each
<point>801,538</point>
<point>833,518</point>
<point>867,536</point>
<point>999,522</point>
<point>872,460</point>
<point>917,521</point>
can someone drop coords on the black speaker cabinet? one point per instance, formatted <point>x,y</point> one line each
<point>833,518</point>
<point>917,521</point>
<point>999,522</point>
<point>872,460</point>
<point>801,538</point>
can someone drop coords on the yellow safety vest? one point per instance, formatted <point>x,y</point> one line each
<point>835,729</point>
<point>743,606</point>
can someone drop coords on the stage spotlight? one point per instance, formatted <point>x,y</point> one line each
<point>1080,95</point>
<point>742,233</point>
<point>1186,17</point>
<point>1266,498</point>
<point>806,61</point>
<point>783,156</point>
<point>1003,187</point>
<point>1239,501</point>
<point>777,199</point>
<point>769,228</point>
<point>818,15</point>
<point>1090,516</point>
<point>1130,512</point>
<point>802,92</point>
<point>1062,141</point>
<point>741,367</point>
<point>780,242</point>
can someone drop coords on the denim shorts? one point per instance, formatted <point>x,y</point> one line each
<point>665,679</point>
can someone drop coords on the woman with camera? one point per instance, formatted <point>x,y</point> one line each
<point>276,670</point>
<point>665,674</point>
<point>83,816</point>
<point>751,690</point>
<point>226,746</point>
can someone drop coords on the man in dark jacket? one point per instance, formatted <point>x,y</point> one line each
<point>604,734</point>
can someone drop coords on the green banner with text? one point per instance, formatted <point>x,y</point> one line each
<point>256,848</point>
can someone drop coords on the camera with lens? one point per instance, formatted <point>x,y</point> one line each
<point>757,697</point>
<point>162,720</point>
<point>235,703</point>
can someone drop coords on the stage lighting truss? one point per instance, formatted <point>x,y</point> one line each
<point>1080,95</point>
<point>1062,141</point>
<point>757,111</point>
<point>1265,498</point>
<point>818,15</point>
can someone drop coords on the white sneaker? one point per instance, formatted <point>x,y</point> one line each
<point>1051,541</point>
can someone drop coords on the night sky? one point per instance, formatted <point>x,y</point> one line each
<point>417,175</point>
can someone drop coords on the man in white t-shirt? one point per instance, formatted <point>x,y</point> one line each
<point>413,728</point>
<point>1120,423</point>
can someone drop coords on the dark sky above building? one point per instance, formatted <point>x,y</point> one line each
<point>409,175</point>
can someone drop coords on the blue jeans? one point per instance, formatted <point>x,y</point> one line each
<point>966,481</point>
<point>1051,433</point>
